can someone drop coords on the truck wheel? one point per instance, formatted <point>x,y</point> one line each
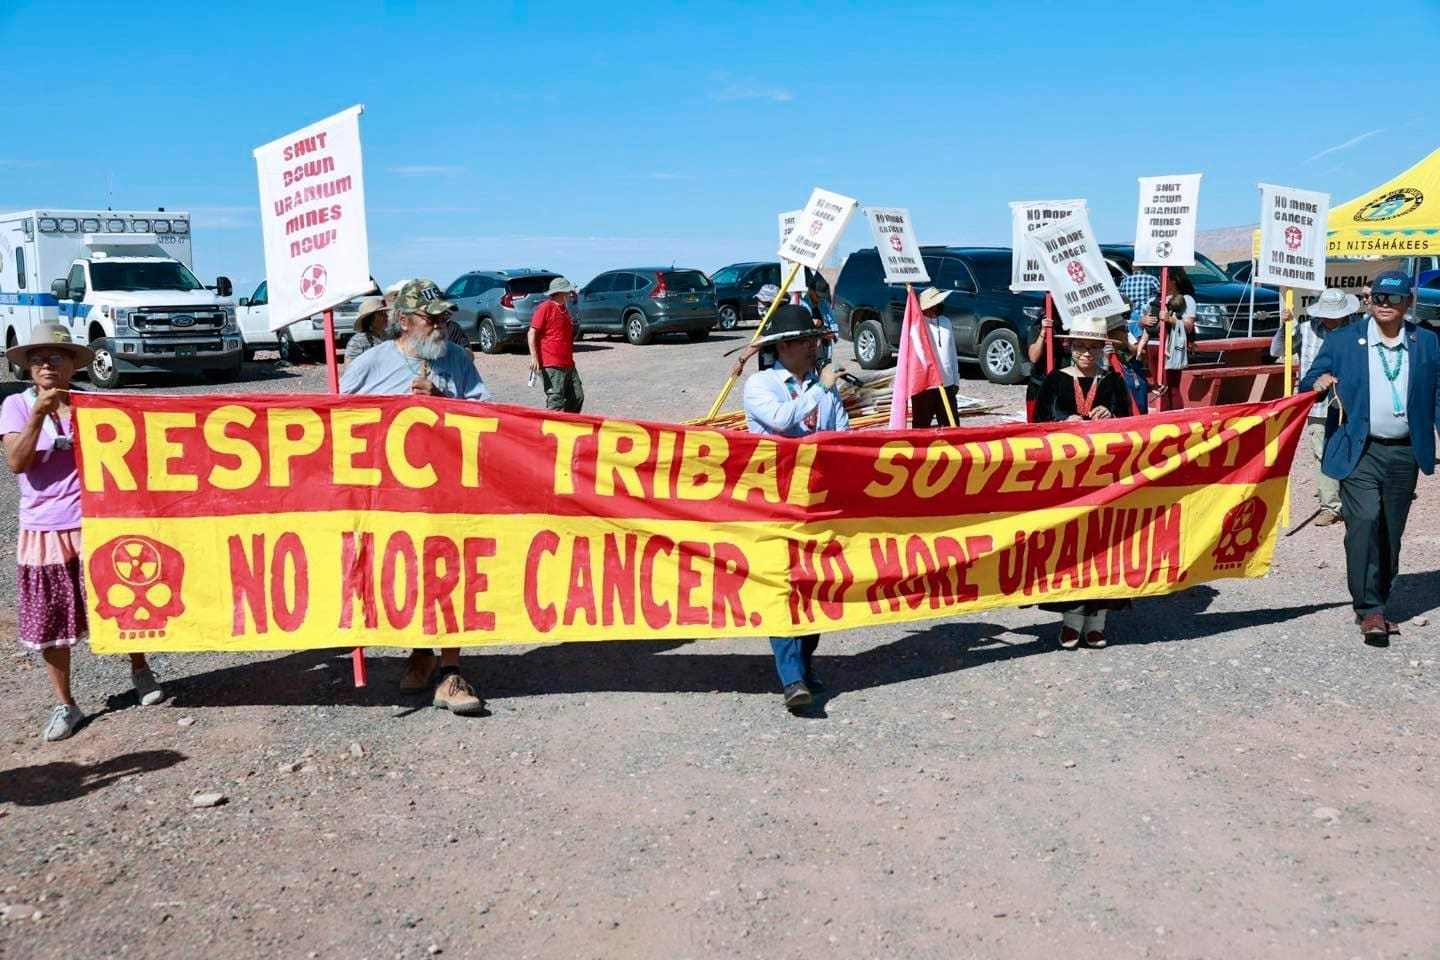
<point>103,372</point>
<point>729,316</point>
<point>290,351</point>
<point>1000,356</point>
<point>17,373</point>
<point>872,352</point>
<point>489,339</point>
<point>637,331</point>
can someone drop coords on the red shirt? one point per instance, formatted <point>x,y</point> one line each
<point>557,334</point>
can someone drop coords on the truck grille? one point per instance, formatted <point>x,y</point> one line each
<point>165,318</point>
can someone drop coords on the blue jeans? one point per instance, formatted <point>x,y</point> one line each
<point>792,657</point>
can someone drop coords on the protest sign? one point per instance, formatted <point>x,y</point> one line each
<point>1026,216</point>
<point>1075,272</point>
<point>1165,230</point>
<point>818,229</point>
<point>217,522</point>
<point>1292,237</point>
<point>896,243</point>
<point>312,217</point>
<point>787,227</point>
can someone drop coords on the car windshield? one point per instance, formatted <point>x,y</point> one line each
<point>160,275</point>
<point>524,286</point>
<point>1205,270</point>
<point>686,281</point>
<point>727,275</point>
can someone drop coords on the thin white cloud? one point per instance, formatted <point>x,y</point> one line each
<point>741,90</point>
<point>1346,145</point>
<point>433,170</point>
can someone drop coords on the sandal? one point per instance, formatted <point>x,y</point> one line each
<point>1095,639</point>
<point>1069,639</point>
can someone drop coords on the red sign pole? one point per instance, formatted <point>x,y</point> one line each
<point>1160,337</point>
<point>332,372</point>
<point>1049,334</point>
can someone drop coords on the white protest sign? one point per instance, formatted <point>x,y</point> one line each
<point>1165,230</point>
<point>1078,278</point>
<point>1026,216</point>
<point>312,217</point>
<point>821,223</point>
<point>895,241</point>
<point>1293,225</point>
<point>787,227</point>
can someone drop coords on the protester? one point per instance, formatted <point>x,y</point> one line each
<point>419,360</point>
<point>1035,351</point>
<point>1329,313</point>
<point>793,399</point>
<point>817,301</point>
<point>1178,316</point>
<point>1131,363</point>
<point>39,447</point>
<point>552,349</point>
<point>370,324</point>
<point>1084,390</point>
<point>763,299</point>
<point>927,407</point>
<point>1379,434</point>
<point>1138,289</point>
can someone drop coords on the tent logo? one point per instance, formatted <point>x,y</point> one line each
<point>1394,204</point>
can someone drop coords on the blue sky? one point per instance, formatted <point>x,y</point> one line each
<point>586,136</point>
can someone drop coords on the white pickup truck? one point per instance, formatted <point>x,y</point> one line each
<point>302,341</point>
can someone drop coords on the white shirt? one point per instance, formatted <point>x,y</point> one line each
<point>778,404</point>
<point>942,335</point>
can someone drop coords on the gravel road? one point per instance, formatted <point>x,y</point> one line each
<point>1236,776</point>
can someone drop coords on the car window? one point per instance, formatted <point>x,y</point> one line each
<point>77,281</point>
<point>261,295</point>
<point>862,274</point>
<point>524,286</point>
<point>770,274</point>
<point>20,267</point>
<point>952,274</point>
<point>686,281</point>
<point>631,281</point>
<point>603,283</point>
<point>727,275</point>
<point>456,289</point>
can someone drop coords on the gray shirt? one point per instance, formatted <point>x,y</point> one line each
<point>385,370</point>
<point>1384,421</point>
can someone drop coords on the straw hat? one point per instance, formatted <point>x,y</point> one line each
<point>50,335</point>
<point>1089,327</point>
<point>931,297</point>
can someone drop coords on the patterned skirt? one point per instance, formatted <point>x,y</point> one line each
<point>52,589</point>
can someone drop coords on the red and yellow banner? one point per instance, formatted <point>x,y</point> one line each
<point>236,523</point>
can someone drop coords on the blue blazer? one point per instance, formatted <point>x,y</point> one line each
<point>1345,356</point>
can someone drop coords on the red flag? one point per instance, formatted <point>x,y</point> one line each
<point>917,367</point>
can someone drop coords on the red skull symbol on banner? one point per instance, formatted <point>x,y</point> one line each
<point>137,584</point>
<point>1076,271</point>
<point>1240,534</point>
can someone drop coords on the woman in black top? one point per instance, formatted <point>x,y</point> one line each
<point>1035,351</point>
<point>1083,390</point>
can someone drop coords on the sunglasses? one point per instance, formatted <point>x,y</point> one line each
<point>53,359</point>
<point>1389,299</point>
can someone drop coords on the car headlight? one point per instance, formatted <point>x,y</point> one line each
<point>121,318</point>
<point>1210,315</point>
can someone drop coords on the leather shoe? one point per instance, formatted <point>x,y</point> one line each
<point>797,695</point>
<point>1376,630</point>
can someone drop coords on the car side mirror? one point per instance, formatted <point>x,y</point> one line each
<point>223,287</point>
<point>61,289</point>
<point>243,302</point>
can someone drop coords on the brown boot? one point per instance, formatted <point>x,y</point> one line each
<point>457,696</point>
<point>417,671</point>
<point>1327,518</point>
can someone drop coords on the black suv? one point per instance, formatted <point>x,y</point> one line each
<point>1222,305</point>
<point>991,323</point>
<point>736,286</point>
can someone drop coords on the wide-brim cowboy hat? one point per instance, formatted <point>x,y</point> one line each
<point>790,322</point>
<point>369,308</point>
<point>931,297</point>
<point>50,335</point>
<point>1091,327</point>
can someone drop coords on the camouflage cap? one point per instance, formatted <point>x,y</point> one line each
<point>422,296</point>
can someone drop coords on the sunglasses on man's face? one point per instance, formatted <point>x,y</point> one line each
<point>1389,299</point>
<point>53,359</point>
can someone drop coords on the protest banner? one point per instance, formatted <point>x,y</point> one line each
<point>216,522</point>
<point>312,218</point>
<point>895,242</point>
<point>787,227</point>
<point>818,229</point>
<point>1025,217</point>
<point>1075,272</point>
<point>1165,228</point>
<point>1292,237</point>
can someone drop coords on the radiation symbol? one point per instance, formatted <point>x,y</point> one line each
<point>136,562</point>
<point>312,282</point>
<point>1164,249</point>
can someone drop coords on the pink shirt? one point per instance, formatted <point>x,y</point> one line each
<point>50,489</point>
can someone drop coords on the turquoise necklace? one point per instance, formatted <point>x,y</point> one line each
<point>1398,352</point>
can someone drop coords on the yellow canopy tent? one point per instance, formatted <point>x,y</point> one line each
<point>1399,218</point>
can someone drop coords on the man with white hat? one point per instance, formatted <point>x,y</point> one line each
<point>1330,312</point>
<point>927,408</point>
<point>791,398</point>
<point>552,349</point>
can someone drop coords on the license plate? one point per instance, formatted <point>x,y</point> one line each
<point>186,350</point>
<point>693,298</point>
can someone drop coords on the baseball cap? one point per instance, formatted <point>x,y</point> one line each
<point>422,296</point>
<point>1391,281</point>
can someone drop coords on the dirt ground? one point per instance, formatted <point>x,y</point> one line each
<point>1236,776</point>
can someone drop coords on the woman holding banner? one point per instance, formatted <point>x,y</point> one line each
<point>1084,390</point>
<point>40,449</point>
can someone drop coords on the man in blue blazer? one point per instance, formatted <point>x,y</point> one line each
<point>1378,435</point>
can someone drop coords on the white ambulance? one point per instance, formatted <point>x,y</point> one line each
<point>121,282</point>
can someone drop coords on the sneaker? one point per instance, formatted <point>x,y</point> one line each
<point>417,671</point>
<point>457,696</point>
<point>64,720</point>
<point>1327,518</point>
<point>146,687</point>
<point>797,695</point>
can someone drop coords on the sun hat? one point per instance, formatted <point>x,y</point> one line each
<point>50,335</point>
<point>1089,327</point>
<point>768,293</point>
<point>422,296</point>
<point>790,322</point>
<point>368,307</point>
<point>1334,305</point>
<point>559,285</point>
<point>931,297</point>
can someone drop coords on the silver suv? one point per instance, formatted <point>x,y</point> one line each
<point>495,306</point>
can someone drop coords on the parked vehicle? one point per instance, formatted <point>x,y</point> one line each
<point>736,286</point>
<point>1222,305</point>
<point>1240,270</point>
<point>495,306</point>
<point>1427,303</point>
<point>124,287</point>
<point>302,341</point>
<point>991,323</point>
<point>644,302</point>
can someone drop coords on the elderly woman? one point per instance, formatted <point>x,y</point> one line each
<point>1083,390</point>
<point>370,324</point>
<point>39,447</point>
